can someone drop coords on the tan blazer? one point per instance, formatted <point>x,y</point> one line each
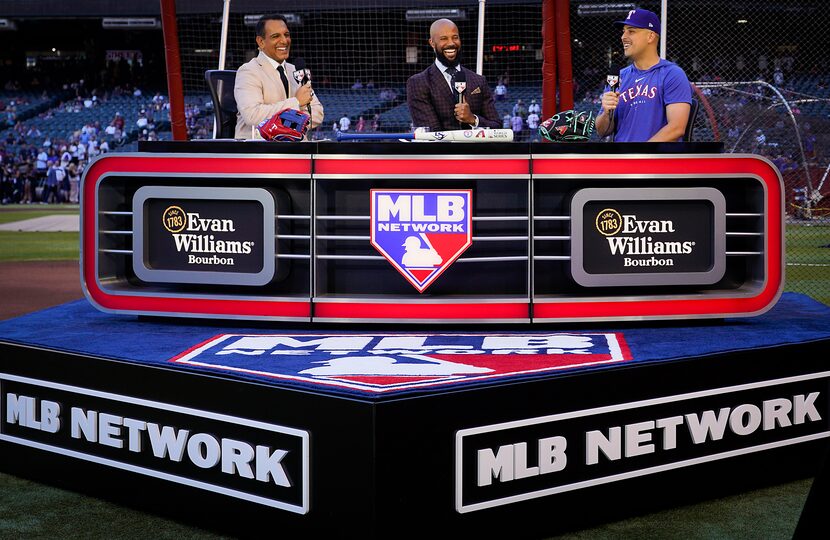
<point>260,95</point>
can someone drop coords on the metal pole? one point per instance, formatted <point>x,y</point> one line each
<point>223,44</point>
<point>480,44</point>
<point>663,24</point>
<point>223,48</point>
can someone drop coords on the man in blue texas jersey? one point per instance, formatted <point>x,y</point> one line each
<point>654,98</point>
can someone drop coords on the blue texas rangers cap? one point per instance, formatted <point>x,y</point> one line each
<point>641,18</point>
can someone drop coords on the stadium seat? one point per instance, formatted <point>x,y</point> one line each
<point>220,82</point>
<point>690,125</point>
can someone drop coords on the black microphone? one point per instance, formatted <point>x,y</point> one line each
<point>459,86</point>
<point>300,71</point>
<point>613,77</point>
<point>613,81</point>
<point>302,76</point>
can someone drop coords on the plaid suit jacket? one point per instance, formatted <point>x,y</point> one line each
<point>431,101</point>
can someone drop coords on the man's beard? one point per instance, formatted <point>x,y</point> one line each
<point>446,61</point>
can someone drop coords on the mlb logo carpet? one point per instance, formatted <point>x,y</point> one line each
<point>382,363</point>
<point>421,232</point>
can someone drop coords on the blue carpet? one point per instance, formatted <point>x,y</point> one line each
<point>421,359</point>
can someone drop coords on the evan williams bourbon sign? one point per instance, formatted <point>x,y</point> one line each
<point>639,236</point>
<point>203,235</point>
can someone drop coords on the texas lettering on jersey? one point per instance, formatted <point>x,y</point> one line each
<point>639,90</point>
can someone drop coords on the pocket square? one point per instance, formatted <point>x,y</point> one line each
<point>476,91</point>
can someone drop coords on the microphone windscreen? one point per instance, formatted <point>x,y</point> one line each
<point>459,83</point>
<point>613,77</point>
<point>299,71</point>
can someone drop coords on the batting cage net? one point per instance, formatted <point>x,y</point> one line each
<point>360,53</point>
<point>757,68</point>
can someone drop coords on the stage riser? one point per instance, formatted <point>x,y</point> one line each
<point>375,464</point>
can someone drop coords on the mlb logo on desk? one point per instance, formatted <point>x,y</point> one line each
<point>421,232</point>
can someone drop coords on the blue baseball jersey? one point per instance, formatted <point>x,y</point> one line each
<point>644,95</point>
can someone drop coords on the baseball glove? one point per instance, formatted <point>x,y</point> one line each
<point>568,126</point>
<point>286,125</point>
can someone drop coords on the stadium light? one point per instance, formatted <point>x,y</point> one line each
<point>130,23</point>
<point>416,15</point>
<point>292,18</point>
<point>589,10</point>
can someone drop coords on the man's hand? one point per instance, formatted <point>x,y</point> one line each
<point>304,94</point>
<point>610,100</point>
<point>463,112</point>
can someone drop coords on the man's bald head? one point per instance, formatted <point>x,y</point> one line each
<point>442,25</point>
<point>445,41</point>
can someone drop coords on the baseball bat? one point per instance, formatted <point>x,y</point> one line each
<point>456,135</point>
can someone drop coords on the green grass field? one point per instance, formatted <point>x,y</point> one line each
<point>9,214</point>
<point>808,262</point>
<point>39,246</point>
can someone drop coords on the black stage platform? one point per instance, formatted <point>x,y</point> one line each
<point>398,432</point>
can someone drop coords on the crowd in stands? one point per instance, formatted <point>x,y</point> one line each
<point>47,138</point>
<point>43,155</point>
<point>47,171</point>
<point>524,119</point>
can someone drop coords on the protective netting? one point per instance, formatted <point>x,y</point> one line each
<point>361,53</point>
<point>764,84</point>
<point>758,69</point>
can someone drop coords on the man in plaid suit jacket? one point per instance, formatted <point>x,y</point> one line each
<point>431,98</point>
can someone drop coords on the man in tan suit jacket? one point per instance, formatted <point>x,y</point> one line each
<point>260,91</point>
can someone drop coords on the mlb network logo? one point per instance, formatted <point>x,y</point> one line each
<point>421,232</point>
<point>379,363</point>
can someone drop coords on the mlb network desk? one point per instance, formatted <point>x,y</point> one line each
<point>288,423</point>
<point>432,232</point>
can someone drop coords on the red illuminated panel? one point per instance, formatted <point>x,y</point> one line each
<point>674,167</point>
<point>368,311</point>
<point>420,167</point>
<point>505,48</point>
<point>167,165</point>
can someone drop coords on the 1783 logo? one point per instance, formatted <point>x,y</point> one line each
<point>174,219</point>
<point>609,222</point>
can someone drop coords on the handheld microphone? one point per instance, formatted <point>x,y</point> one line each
<point>459,85</point>
<point>300,71</point>
<point>613,81</point>
<point>302,76</point>
<point>613,77</point>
